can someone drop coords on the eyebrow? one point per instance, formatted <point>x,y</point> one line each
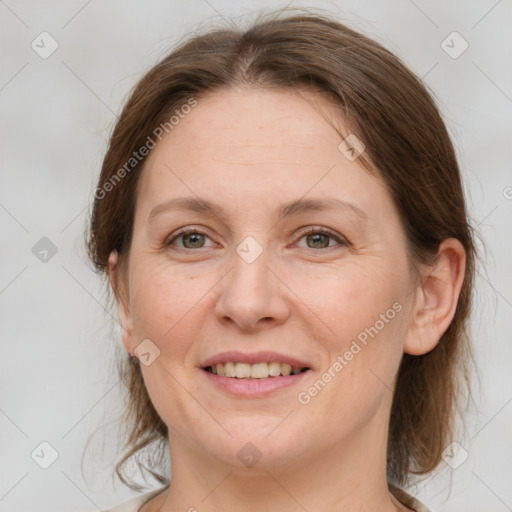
<point>296,207</point>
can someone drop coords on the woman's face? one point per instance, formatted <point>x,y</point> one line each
<point>253,279</point>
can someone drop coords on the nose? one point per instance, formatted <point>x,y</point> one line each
<point>252,296</point>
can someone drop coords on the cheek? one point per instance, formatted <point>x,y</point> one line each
<point>163,309</point>
<point>161,300</point>
<point>351,296</point>
<point>364,349</point>
<point>364,310</point>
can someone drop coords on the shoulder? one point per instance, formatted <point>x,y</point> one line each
<point>134,504</point>
<point>407,500</point>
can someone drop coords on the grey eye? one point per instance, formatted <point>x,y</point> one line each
<point>196,240</point>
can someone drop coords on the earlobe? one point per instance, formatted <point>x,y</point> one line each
<point>436,298</point>
<point>112,271</point>
<point>125,317</point>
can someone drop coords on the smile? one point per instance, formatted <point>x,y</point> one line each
<point>254,371</point>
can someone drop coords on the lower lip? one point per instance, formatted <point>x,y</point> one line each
<point>254,388</point>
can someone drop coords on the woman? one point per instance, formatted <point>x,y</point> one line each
<point>281,219</point>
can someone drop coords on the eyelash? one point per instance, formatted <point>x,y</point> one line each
<point>313,230</point>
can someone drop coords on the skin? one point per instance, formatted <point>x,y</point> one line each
<point>250,151</point>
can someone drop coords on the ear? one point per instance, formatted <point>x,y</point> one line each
<point>125,317</point>
<point>436,298</point>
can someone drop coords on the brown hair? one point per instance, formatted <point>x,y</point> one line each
<point>407,145</point>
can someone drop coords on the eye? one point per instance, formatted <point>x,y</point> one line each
<point>190,239</point>
<point>318,238</point>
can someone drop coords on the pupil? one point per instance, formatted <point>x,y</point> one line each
<point>317,238</point>
<point>192,238</point>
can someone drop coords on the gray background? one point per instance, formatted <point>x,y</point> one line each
<point>57,378</point>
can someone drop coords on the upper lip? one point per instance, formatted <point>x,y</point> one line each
<point>253,358</point>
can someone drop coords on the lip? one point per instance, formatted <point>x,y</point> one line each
<point>253,358</point>
<point>253,388</point>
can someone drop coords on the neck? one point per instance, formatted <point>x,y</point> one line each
<point>345,476</point>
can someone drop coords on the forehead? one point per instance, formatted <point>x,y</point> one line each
<point>244,121</point>
<point>257,143</point>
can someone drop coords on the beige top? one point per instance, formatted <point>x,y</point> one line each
<point>136,503</point>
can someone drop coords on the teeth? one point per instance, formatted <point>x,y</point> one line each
<point>229,370</point>
<point>274,369</point>
<point>258,371</point>
<point>254,371</point>
<point>286,369</point>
